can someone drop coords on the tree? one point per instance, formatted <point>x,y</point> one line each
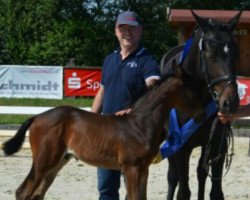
<point>50,32</point>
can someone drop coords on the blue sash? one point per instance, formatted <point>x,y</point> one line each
<point>186,49</point>
<point>178,136</point>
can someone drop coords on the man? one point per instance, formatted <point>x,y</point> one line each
<point>126,75</point>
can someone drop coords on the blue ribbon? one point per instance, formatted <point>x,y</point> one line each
<point>178,136</point>
<point>186,49</point>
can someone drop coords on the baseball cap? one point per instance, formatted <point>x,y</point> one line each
<point>129,18</point>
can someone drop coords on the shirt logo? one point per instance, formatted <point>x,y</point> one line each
<point>132,64</point>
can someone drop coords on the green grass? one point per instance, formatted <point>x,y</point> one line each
<point>79,102</point>
<point>19,119</point>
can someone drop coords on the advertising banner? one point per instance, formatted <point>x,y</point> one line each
<point>31,81</point>
<point>244,89</point>
<point>81,81</point>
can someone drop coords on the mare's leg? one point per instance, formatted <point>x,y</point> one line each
<point>217,170</point>
<point>172,178</point>
<point>137,178</point>
<point>201,176</point>
<point>50,177</point>
<point>182,163</point>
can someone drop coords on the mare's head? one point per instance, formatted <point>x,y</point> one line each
<point>213,58</point>
<point>183,95</point>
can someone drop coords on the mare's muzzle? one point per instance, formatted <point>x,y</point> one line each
<point>228,98</point>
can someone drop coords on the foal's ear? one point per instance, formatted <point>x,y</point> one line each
<point>200,21</point>
<point>234,21</point>
<point>177,69</point>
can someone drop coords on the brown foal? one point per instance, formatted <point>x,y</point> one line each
<point>128,143</point>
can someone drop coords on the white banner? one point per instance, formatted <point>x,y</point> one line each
<point>18,81</point>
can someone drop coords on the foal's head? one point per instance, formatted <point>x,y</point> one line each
<point>182,94</point>
<point>217,54</point>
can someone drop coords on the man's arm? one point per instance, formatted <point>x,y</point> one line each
<point>97,103</point>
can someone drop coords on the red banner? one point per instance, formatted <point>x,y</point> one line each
<point>81,82</point>
<point>86,82</point>
<point>244,90</point>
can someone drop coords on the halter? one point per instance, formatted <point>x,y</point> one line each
<point>231,79</point>
<point>227,133</point>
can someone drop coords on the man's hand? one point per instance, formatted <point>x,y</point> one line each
<point>223,118</point>
<point>123,112</point>
<point>151,81</point>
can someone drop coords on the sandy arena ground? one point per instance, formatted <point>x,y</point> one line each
<point>78,181</point>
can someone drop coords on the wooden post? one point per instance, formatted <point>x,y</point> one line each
<point>182,31</point>
<point>249,148</point>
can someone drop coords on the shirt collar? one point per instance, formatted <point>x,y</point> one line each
<point>137,52</point>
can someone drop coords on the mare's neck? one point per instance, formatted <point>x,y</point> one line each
<point>192,62</point>
<point>192,65</point>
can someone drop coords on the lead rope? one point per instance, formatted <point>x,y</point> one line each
<point>228,133</point>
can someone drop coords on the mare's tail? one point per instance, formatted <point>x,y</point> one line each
<point>13,145</point>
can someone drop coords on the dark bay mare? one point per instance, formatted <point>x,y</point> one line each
<point>128,143</point>
<point>211,62</point>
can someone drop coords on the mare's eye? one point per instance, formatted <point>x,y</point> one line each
<point>226,49</point>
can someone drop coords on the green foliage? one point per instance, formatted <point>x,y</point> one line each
<point>78,102</point>
<point>50,32</point>
<point>13,119</point>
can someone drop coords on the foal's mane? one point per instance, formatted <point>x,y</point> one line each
<point>151,96</point>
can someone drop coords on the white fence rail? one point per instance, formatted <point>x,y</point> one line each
<point>22,110</point>
<point>27,110</point>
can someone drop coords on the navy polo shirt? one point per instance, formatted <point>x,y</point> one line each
<point>124,80</point>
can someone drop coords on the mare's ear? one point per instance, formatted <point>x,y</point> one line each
<point>200,21</point>
<point>177,69</point>
<point>234,21</point>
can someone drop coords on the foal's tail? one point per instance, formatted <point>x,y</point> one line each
<point>14,144</point>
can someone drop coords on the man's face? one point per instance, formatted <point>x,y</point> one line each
<point>128,36</point>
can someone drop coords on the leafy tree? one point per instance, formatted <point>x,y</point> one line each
<point>50,32</point>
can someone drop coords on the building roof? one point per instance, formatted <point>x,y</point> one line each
<point>182,15</point>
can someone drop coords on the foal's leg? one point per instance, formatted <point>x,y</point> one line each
<point>50,177</point>
<point>26,188</point>
<point>172,178</point>
<point>136,177</point>
<point>43,161</point>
